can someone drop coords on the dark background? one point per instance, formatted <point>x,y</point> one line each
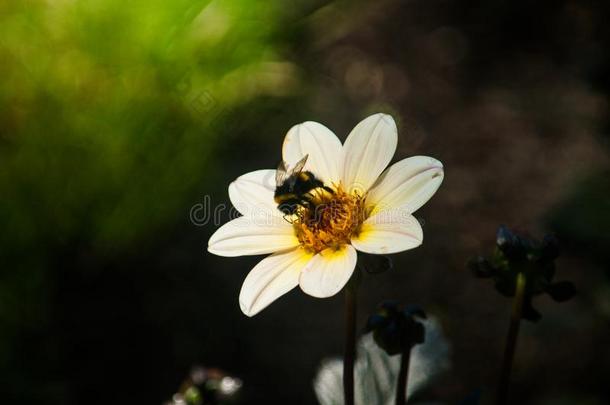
<point>117,118</point>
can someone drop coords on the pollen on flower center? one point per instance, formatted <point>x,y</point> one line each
<point>330,221</point>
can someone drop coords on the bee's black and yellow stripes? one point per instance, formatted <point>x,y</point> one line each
<point>299,189</point>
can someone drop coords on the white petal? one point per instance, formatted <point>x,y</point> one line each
<point>368,150</point>
<point>252,193</point>
<point>328,271</point>
<point>252,236</point>
<point>408,184</point>
<point>271,278</point>
<point>389,232</point>
<point>321,144</point>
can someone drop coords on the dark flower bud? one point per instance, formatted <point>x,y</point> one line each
<point>396,329</point>
<point>513,247</point>
<point>516,254</point>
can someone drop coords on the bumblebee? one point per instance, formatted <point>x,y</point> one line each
<point>296,187</point>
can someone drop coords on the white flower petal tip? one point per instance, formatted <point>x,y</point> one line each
<point>252,193</point>
<point>321,144</point>
<point>389,232</point>
<point>252,236</point>
<point>368,150</point>
<point>328,272</point>
<point>407,184</point>
<point>271,278</point>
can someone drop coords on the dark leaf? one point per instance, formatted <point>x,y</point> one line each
<point>513,247</point>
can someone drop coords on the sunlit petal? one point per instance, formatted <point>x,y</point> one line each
<point>252,193</point>
<point>328,271</point>
<point>389,232</point>
<point>271,278</point>
<point>408,184</point>
<point>252,236</point>
<point>368,150</point>
<point>324,150</point>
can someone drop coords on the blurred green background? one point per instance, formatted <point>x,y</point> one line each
<point>118,117</point>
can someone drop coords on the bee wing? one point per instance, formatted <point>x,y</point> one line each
<point>298,167</point>
<point>281,173</point>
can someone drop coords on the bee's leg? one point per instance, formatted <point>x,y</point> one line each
<point>315,211</point>
<point>306,203</point>
<point>313,207</point>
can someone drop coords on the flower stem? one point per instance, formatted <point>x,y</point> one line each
<point>403,376</point>
<point>350,342</point>
<point>511,340</point>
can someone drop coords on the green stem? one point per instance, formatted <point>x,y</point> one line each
<point>350,343</point>
<point>403,376</point>
<point>511,340</point>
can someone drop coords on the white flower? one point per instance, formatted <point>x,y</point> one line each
<point>370,210</point>
<point>376,372</point>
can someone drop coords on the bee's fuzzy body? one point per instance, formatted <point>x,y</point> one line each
<point>299,189</point>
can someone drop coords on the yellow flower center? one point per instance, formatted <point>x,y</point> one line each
<point>330,221</point>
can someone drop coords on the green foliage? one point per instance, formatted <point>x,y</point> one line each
<point>111,112</point>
